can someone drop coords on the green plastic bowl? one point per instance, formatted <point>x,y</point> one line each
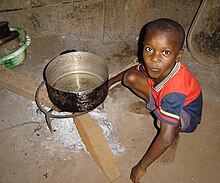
<point>17,57</point>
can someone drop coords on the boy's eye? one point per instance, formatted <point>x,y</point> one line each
<point>166,52</point>
<point>148,49</point>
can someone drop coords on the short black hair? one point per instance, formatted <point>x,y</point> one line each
<point>167,25</point>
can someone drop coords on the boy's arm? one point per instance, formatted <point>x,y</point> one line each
<point>159,146</point>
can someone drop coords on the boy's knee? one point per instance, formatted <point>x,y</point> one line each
<point>129,78</point>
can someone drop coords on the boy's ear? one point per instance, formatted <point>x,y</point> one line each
<point>180,54</point>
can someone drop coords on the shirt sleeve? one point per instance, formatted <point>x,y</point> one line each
<point>170,108</point>
<point>141,68</point>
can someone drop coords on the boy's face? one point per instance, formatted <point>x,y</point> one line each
<point>160,53</point>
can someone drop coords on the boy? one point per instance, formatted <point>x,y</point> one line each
<point>171,92</point>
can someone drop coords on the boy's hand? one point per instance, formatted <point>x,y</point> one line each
<point>136,173</point>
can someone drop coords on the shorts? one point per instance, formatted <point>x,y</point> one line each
<point>187,124</point>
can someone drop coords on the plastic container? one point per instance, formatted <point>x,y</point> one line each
<point>17,57</point>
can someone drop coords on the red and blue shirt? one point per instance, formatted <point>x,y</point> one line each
<point>178,91</point>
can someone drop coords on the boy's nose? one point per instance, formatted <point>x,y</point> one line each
<point>156,57</point>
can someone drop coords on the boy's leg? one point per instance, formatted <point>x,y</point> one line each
<point>169,155</point>
<point>137,83</point>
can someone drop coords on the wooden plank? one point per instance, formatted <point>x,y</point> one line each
<point>97,146</point>
<point>89,131</point>
<point>22,85</point>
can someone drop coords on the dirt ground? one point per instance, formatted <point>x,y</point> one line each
<point>29,156</point>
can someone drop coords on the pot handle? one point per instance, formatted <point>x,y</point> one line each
<point>68,51</point>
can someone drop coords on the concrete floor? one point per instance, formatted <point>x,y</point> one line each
<point>28,156</point>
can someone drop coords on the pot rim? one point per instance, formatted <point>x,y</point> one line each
<point>74,92</point>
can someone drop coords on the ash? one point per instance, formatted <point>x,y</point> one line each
<point>66,133</point>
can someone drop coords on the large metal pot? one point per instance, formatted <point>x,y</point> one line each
<point>76,81</point>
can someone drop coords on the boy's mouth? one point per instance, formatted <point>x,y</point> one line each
<point>155,69</point>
